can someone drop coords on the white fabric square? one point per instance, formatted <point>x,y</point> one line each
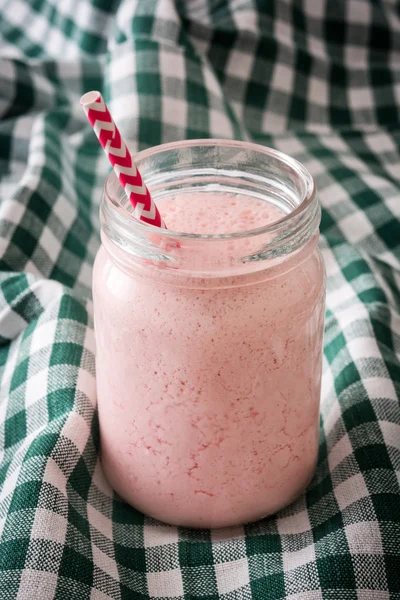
<point>316,46</point>
<point>2,523</point>
<point>165,584</point>
<point>363,347</point>
<point>393,203</point>
<point>126,107</point>
<point>331,264</point>
<point>331,415</point>
<point>316,167</point>
<point>220,125</point>
<point>43,336</point>
<point>327,387</point>
<point>291,146</point>
<point>358,12</point>
<point>356,56</point>
<point>391,434</point>
<point>36,387</point>
<point>298,523</point>
<point>231,576</point>
<point>283,31</point>
<point>340,451</point>
<point>333,194</point>
<point>172,64</point>
<point>350,314</point>
<point>98,595</point>
<point>273,123</point>
<point>174,111</point>
<point>372,595</point>
<point>282,78</point>
<point>99,480</point>
<point>298,558</point>
<point>9,368</point>
<point>245,19</point>
<point>361,98</point>
<point>341,295</point>
<point>310,595</point>
<point>318,91</point>
<point>77,430</point>
<point>87,384</point>
<point>55,477</point>
<point>65,211</point>
<point>240,64</point>
<point>380,142</point>
<point>37,584</point>
<point>85,274</point>
<point>104,562</point>
<point>350,491</point>
<point>9,484</point>
<point>228,534</point>
<point>18,13</point>
<point>159,535</point>
<point>11,323</point>
<point>211,83</point>
<point>100,522</point>
<point>31,268</point>
<point>314,9</point>
<point>11,210</point>
<point>364,538</point>
<point>47,292</point>
<point>380,387</point>
<point>48,525</point>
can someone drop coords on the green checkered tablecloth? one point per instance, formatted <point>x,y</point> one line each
<point>317,79</point>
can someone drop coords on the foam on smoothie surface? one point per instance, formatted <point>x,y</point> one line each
<point>231,213</point>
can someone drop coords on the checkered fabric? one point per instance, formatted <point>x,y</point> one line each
<point>317,79</point>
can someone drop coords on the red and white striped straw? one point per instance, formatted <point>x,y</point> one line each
<point>118,154</point>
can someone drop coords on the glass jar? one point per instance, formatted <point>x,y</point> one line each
<point>209,346</point>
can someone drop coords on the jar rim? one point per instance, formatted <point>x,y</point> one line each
<point>305,200</point>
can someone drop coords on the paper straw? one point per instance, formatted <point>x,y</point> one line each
<point>118,154</point>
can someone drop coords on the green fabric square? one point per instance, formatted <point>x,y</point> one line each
<point>25,496</point>
<point>374,456</point>
<point>15,429</point>
<point>24,240</point>
<point>12,554</point>
<point>360,413</point>
<point>326,521</point>
<point>196,94</point>
<point>80,479</point>
<point>275,585</point>
<point>20,375</point>
<point>62,276</point>
<point>334,347</point>
<point>76,566</point>
<point>66,353</point>
<point>336,572</point>
<point>70,308</point>
<point>195,554</point>
<point>42,445</point>
<point>60,402</point>
<point>76,244</point>
<point>355,269</point>
<point>347,377</point>
<point>263,544</point>
<point>131,558</point>
<point>199,582</point>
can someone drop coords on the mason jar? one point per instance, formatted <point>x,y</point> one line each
<point>209,344</point>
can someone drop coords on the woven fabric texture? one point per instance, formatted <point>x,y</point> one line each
<point>317,79</point>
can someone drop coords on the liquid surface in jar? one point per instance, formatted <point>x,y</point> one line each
<point>209,398</point>
<point>207,213</point>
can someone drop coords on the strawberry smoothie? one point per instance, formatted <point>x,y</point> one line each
<point>209,388</point>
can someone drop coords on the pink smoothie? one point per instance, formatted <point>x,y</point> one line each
<point>209,398</point>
